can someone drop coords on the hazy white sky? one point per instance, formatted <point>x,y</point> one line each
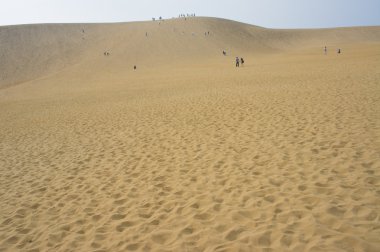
<point>267,13</point>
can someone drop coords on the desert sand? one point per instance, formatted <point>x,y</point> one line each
<point>188,152</point>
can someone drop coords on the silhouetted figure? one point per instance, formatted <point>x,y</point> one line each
<point>325,50</point>
<point>224,53</point>
<point>339,51</point>
<point>242,61</point>
<point>134,67</point>
<point>237,62</point>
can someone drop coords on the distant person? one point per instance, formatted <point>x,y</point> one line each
<point>242,61</point>
<point>224,53</point>
<point>134,67</point>
<point>237,62</point>
<point>339,51</point>
<point>325,50</point>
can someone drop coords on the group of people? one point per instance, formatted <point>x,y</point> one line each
<point>238,61</point>
<point>338,51</point>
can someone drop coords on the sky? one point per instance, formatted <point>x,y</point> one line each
<point>266,13</point>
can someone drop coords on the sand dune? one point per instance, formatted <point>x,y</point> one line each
<point>189,153</point>
<point>33,51</point>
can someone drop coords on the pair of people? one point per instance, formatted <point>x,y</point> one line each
<point>239,61</point>
<point>338,51</point>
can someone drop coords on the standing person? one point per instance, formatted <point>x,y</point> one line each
<point>242,62</point>
<point>237,61</point>
<point>339,51</point>
<point>325,50</point>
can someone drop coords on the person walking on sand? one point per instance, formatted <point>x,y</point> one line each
<point>237,62</point>
<point>242,62</point>
<point>325,50</point>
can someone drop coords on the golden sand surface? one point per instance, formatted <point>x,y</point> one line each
<point>192,153</point>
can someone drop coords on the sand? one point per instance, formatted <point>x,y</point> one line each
<point>194,154</point>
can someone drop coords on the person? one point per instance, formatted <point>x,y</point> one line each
<point>224,53</point>
<point>242,61</point>
<point>237,61</point>
<point>325,50</point>
<point>134,67</point>
<point>339,51</point>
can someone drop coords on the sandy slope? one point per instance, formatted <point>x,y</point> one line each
<point>34,51</point>
<point>194,154</point>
